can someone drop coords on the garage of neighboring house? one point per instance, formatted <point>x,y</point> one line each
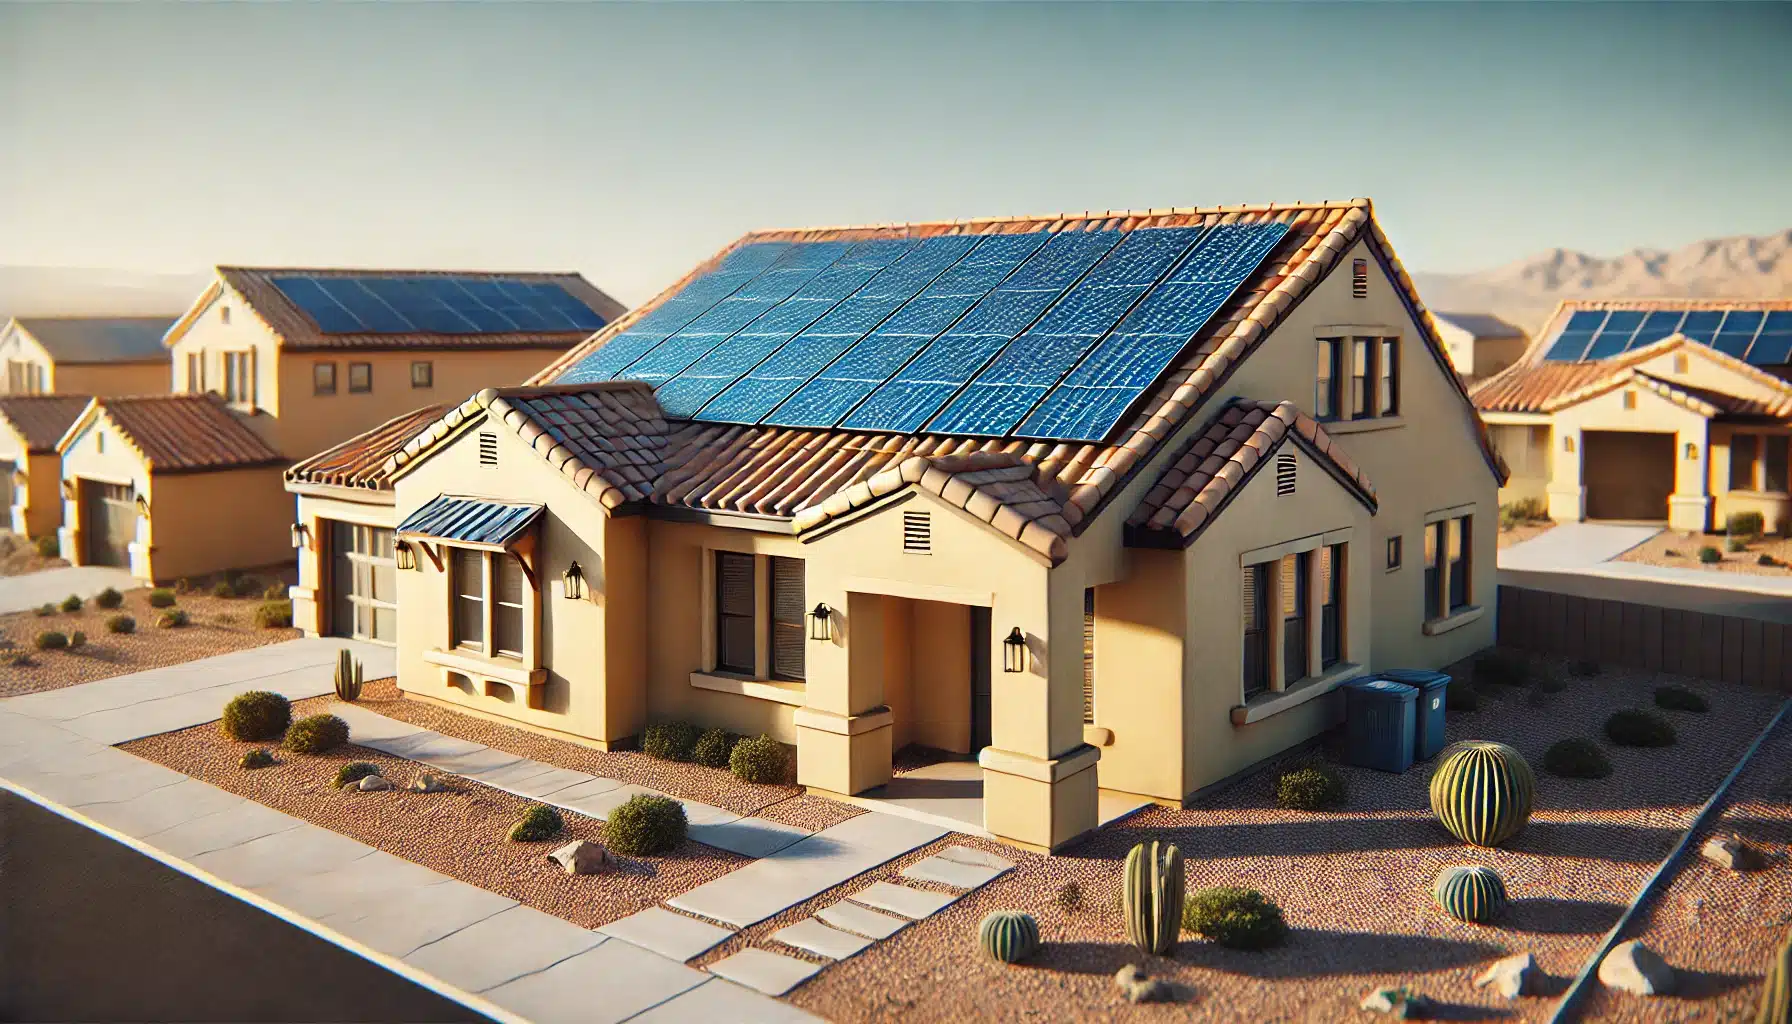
<point>30,469</point>
<point>1627,474</point>
<point>108,522</point>
<point>363,582</point>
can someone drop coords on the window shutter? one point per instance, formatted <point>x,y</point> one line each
<point>1089,656</point>
<point>1285,467</point>
<point>488,448</point>
<point>917,533</point>
<point>734,583</point>
<point>788,628</point>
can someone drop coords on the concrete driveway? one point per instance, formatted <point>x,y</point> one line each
<point>32,590</point>
<point>1574,546</point>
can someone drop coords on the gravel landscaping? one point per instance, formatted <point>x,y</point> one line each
<point>216,625</point>
<point>1518,533</point>
<point>1681,551</point>
<point>18,556</point>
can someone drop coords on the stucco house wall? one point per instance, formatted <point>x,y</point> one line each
<point>1652,413</point>
<point>101,453</point>
<point>121,378</point>
<point>36,509</point>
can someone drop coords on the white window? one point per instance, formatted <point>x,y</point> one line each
<point>492,602</point>
<point>239,377</point>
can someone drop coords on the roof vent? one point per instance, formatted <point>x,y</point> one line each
<point>1359,279</point>
<point>488,448</point>
<point>1284,474</point>
<point>917,533</point>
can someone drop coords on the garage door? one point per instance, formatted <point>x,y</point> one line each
<point>108,522</point>
<point>364,583</point>
<point>1627,475</point>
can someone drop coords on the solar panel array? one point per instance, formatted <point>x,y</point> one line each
<point>435,304</point>
<point>1039,335</point>
<point>1761,338</point>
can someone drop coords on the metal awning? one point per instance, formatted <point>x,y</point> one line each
<point>475,521</point>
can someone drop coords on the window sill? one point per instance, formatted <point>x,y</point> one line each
<point>506,670</point>
<point>1274,703</point>
<point>763,689</point>
<point>1454,620</point>
<point>1363,426</point>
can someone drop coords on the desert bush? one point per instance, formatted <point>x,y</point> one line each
<point>1766,559</point>
<point>256,715</point>
<point>1635,728</point>
<point>19,659</point>
<point>1576,758</point>
<point>1501,668</point>
<point>1749,525</point>
<point>77,640</point>
<point>51,640</point>
<point>1710,555</point>
<point>173,618</point>
<point>161,597</point>
<point>72,603</point>
<point>108,599</point>
<point>315,734</point>
<point>183,586</point>
<point>245,586</point>
<point>646,825</point>
<point>48,546</point>
<point>1315,787</point>
<point>260,757</point>
<point>222,588</point>
<point>1735,545</point>
<point>354,772</point>
<point>45,611</point>
<point>274,592</point>
<point>1461,695</point>
<point>121,624</point>
<point>1070,897</point>
<point>1679,698</point>
<point>713,747</point>
<point>538,823</point>
<point>669,741</point>
<point>1234,917</point>
<point>274,615</point>
<point>760,759</point>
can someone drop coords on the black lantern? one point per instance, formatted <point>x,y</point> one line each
<point>572,582</point>
<point>403,555</point>
<point>298,535</point>
<point>1014,651</point>
<point>821,623</point>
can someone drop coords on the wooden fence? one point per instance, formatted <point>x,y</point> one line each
<point>1699,644</point>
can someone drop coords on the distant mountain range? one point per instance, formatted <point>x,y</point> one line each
<point>1524,292</point>
<point>81,291</point>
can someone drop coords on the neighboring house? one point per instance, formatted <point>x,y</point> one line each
<point>170,486</point>
<point>1110,502</point>
<point>85,355</point>
<point>30,427</point>
<point>1479,344</point>
<point>1674,410</point>
<point>346,517</point>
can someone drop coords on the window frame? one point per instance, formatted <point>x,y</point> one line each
<point>428,376</point>
<point>1362,378</point>
<point>458,559</point>
<point>1296,625</point>
<point>492,566</point>
<point>239,377</point>
<point>1334,569</point>
<point>319,371</point>
<point>366,385</point>
<point>725,659</point>
<point>774,623</point>
<point>1254,592</point>
<point>1328,382</point>
<point>1752,473</point>
<point>1387,376</point>
<point>1449,582</point>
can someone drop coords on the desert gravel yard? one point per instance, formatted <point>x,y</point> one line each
<point>1518,533</point>
<point>1681,551</point>
<point>19,555</point>
<point>1354,884</point>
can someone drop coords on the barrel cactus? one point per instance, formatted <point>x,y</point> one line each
<point>1008,935</point>
<point>1152,899</point>
<point>1470,892</point>
<point>1482,792</point>
<point>1776,994</point>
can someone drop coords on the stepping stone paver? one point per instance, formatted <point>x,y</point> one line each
<point>550,782</point>
<point>900,899</point>
<point>852,917</point>
<point>501,948</point>
<point>514,775</point>
<point>764,971</point>
<point>812,936</point>
<point>719,999</point>
<point>605,984</point>
<point>972,855</point>
<point>951,872</point>
<point>670,935</point>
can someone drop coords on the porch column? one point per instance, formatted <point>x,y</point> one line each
<point>1567,492</point>
<point>1689,507</point>
<point>844,729</point>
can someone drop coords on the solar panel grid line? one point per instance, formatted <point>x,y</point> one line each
<point>330,316</point>
<point>1571,345</point>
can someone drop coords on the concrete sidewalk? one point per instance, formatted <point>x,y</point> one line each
<point>36,589</point>
<point>1572,547</point>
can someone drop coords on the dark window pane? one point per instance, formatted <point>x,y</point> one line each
<point>788,626</point>
<point>423,375</point>
<point>1459,542</point>
<point>1325,397</point>
<point>734,612</point>
<point>1293,569</point>
<point>1256,631</point>
<point>734,647</point>
<point>1773,465</point>
<point>469,598</point>
<point>1331,587</point>
<point>1433,548</point>
<point>1360,379</point>
<point>1389,391</point>
<point>1743,449</point>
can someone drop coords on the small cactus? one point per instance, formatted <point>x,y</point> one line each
<point>348,677</point>
<point>1152,900</point>
<point>1008,936</point>
<point>1470,892</point>
<point>1776,994</point>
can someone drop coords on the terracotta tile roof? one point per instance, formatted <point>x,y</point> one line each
<point>74,340</point>
<point>41,419</point>
<point>360,461</point>
<point>1544,387</point>
<point>780,471</point>
<point>181,433</point>
<point>297,331</point>
<point>1216,463</point>
<point>1522,388</point>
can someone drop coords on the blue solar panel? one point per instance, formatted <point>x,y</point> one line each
<point>1738,332</point>
<point>1656,326</point>
<point>1773,346</point>
<point>376,317</point>
<point>329,315</point>
<point>1572,344</point>
<point>1088,403</point>
<point>1614,337</point>
<point>434,304</point>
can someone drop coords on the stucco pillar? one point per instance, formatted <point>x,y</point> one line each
<point>1689,507</point>
<point>1567,494</point>
<point>844,731</point>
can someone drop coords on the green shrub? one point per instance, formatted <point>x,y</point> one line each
<point>541,822</point>
<point>1234,917</point>
<point>1070,897</point>
<point>173,618</point>
<point>72,603</point>
<point>1315,787</point>
<point>1461,695</point>
<point>183,586</point>
<point>1735,545</point>
<point>1746,524</point>
<point>1501,668</point>
<point>77,640</point>
<point>1583,669</point>
<point>256,715</point>
<point>669,741</point>
<point>315,734</point>
<point>1710,555</point>
<point>354,772</point>
<point>274,615</point>
<point>760,759</point>
<point>19,659</point>
<point>244,586</point>
<point>1679,698</point>
<point>1639,729</point>
<point>645,825</point>
<point>1576,758</point>
<point>108,599</point>
<point>1766,559</point>
<point>45,611</point>
<point>121,624</point>
<point>51,640</point>
<point>161,597</point>
<point>275,592</point>
<point>260,757</point>
<point>48,546</point>
<point>222,588</point>
<point>713,748</point>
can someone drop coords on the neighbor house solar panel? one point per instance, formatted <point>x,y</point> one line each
<point>330,316</point>
<point>434,304</point>
<point>1572,343</point>
<point>1738,332</point>
<point>1657,325</point>
<point>1614,337</point>
<point>1701,325</point>
<point>1773,346</point>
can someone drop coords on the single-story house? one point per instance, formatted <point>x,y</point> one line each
<point>85,355</point>
<point>170,486</point>
<point>1661,410</point>
<point>1109,502</point>
<point>30,427</point>
<point>1480,344</point>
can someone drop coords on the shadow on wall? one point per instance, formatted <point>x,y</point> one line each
<point>92,930</point>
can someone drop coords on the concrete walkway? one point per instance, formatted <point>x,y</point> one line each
<point>1571,547</point>
<point>36,589</point>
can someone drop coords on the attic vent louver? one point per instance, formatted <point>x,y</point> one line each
<point>1359,279</point>
<point>1284,474</point>
<point>917,533</point>
<point>488,448</point>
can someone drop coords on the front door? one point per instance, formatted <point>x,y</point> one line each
<point>363,582</point>
<point>108,522</point>
<point>980,685</point>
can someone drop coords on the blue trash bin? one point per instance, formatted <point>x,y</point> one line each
<point>1428,726</point>
<point>1378,724</point>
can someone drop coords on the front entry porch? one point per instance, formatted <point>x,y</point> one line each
<point>949,793</point>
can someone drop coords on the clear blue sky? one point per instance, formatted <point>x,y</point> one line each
<point>631,141</point>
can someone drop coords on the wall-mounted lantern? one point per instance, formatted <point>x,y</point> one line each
<point>143,506</point>
<point>403,555</point>
<point>68,489</point>
<point>572,582</point>
<point>1692,453</point>
<point>1014,651</point>
<point>1568,443</point>
<point>821,623</point>
<point>299,533</point>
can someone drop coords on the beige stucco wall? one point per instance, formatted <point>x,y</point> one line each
<point>1688,507</point>
<point>100,452</point>
<point>311,609</point>
<point>1526,442</point>
<point>109,379</point>
<point>36,509</point>
<point>18,347</point>
<point>1775,509</point>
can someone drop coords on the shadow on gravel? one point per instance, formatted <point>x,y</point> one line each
<point>1710,984</point>
<point>1308,952</point>
<point>1561,917</point>
<point>1323,834</point>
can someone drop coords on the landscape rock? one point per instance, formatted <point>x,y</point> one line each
<point>427,782</point>
<point>1730,852</point>
<point>581,857</point>
<point>374,784</point>
<point>1635,968</point>
<point>1512,977</point>
<point>1403,1003</point>
<point>1138,987</point>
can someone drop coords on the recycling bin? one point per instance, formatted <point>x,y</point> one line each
<point>1428,724</point>
<point>1378,724</point>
